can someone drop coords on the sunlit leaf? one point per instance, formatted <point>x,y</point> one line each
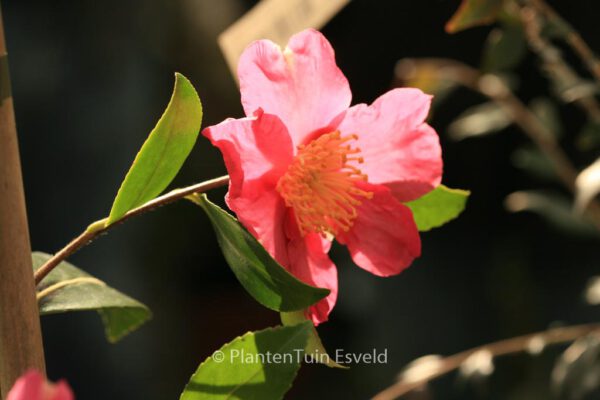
<point>267,281</point>
<point>479,120</point>
<point>570,88</point>
<point>438,207</point>
<point>314,346</point>
<point>68,288</point>
<point>472,13</point>
<point>592,291</point>
<point>587,185</point>
<point>421,369</point>
<point>479,364</point>
<point>246,368</point>
<point>424,74</point>
<point>536,345</point>
<point>164,152</point>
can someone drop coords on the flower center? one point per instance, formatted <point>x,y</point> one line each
<point>320,185</point>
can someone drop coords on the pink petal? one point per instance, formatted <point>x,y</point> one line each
<point>257,147</point>
<point>62,391</point>
<point>33,386</point>
<point>399,149</point>
<point>383,239</point>
<point>262,211</point>
<point>264,214</point>
<point>301,85</point>
<point>257,151</point>
<point>310,263</point>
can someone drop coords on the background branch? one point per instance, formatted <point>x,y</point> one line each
<point>560,73</point>
<point>504,347</point>
<point>494,88</point>
<point>571,36</point>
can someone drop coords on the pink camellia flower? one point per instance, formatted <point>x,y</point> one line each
<point>305,167</point>
<point>33,386</point>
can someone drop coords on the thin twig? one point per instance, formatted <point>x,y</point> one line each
<point>571,36</point>
<point>504,347</point>
<point>494,88</point>
<point>553,63</point>
<point>69,282</point>
<point>99,227</point>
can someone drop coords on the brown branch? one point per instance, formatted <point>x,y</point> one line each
<point>100,227</point>
<point>494,88</point>
<point>553,63</point>
<point>504,347</point>
<point>20,334</point>
<point>571,36</point>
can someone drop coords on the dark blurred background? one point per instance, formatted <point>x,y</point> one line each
<point>90,79</point>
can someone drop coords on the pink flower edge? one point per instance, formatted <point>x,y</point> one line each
<point>33,386</point>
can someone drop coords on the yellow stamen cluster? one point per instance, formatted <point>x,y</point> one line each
<point>320,185</point>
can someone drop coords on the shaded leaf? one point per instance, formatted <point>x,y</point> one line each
<point>534,162</point>
<point>553,207</point>
<point>548,114</point>
<point>472,13</point>
<point>438,207</point>
<point>243,369</point>
<point>577,372</point>
<point>68,288</point>
<point>589,137</point>
<point>164,152</point>
<point>267,281</point>
<point>556,28</point>
<point>314,346</point>
<point>504,48</point>
<point>479,120</point>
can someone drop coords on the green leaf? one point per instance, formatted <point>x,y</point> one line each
<point>246,368</point>
<point>548,114</point>
<point>534,162</point>
<point>314,346</point>
<point>438,207</point>
<point>267,281</point>
<point>68,288</point>
<point>474,13</point>
<point>589,136</point>
<point>479,120</point>
<point>587,186</point>
<point>570,88</point>
<point>575,372</point>
<point>554,207</point>
<point>504,48</point>
<point>164,152</point>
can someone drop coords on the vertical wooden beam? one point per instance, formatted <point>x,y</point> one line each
<point>20,332</point>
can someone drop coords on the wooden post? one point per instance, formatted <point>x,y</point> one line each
<point>20,333</point>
